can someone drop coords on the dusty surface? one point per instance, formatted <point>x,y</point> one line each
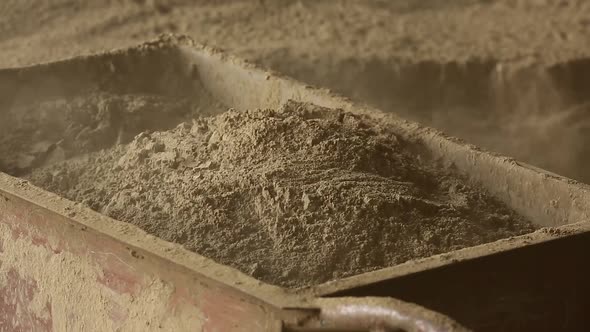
<point>293,197</point>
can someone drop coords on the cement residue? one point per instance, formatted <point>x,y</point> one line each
<point>295,196</point>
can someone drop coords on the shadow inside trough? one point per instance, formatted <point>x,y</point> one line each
<point>537,288</point>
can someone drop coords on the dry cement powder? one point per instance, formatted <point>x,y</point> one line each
<point>294,197</point>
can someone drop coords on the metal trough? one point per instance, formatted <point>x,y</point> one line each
<point>64,267</point>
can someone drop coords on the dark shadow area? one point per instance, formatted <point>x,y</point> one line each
<point>538,288</point>
<point>572,79</point>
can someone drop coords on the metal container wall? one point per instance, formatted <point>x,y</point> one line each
<point>65,267</point>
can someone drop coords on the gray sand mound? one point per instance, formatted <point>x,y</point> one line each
<point>294,197</point>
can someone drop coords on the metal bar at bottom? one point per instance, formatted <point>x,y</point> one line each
<point>374,314</point>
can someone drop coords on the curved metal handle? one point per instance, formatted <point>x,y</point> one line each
<point>377,314</point>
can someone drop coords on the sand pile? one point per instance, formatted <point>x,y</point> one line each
<point>36,134</point>
<point>294,196</point>
<point>53,130</point>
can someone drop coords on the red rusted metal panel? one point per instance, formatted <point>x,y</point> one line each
<point>57,275</point>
